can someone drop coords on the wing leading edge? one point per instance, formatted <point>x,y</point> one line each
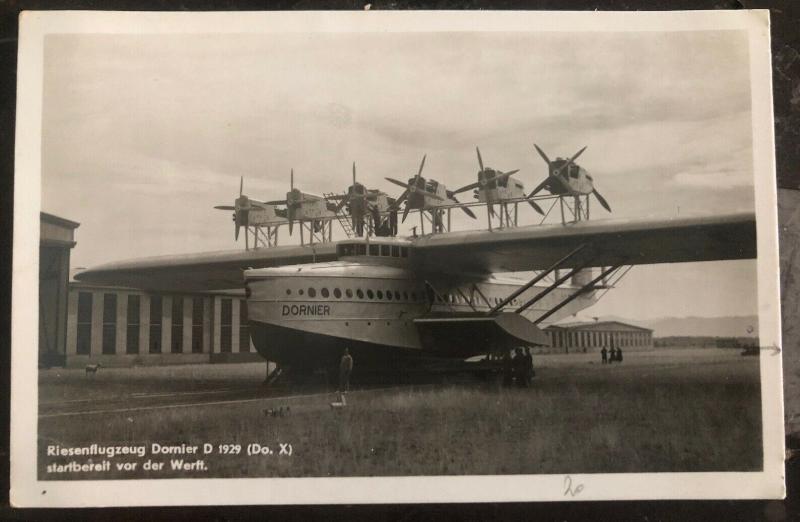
<point>607,243</point>
<point>203,271</point>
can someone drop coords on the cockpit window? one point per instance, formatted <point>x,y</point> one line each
<point>385,250</point>
<point>395,251</point>
<point>361,250</point>
<point>373,250</point>
<point>573,171</point>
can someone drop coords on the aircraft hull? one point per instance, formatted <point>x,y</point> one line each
<point>305,349</point>
<point>305,315</point>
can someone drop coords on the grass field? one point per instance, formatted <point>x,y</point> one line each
<point>668,411</point>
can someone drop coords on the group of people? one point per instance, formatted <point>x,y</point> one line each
<point>519,368</point>
<point>610,356</point>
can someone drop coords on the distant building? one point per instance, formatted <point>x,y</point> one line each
<point>80,323</point>
<point>593,336</point>
<point>123,327</point>
<point>56,240</point>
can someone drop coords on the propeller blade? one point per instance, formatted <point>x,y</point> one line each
<point>539,187</point>
<point>504,175</point>
<point>536,207</point>
<point>241,185</point>
<point>403,196</point>
<point>602,200</point>
<point>354,173</point>
<point>405,213</point>
<point>542,154</point>
<point>467,187</point>
<point>421,165</point>
<point>466,210</point>
<point>480,160</point>
<point>236,234</point>
<point>573,158</point>
<point>399,183</point>
<point>291,181</point>
<point>225,207</point>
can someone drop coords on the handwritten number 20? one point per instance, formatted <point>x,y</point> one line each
<point>569,490</point>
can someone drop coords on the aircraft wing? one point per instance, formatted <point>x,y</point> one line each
<point>204,271</point>
<point>607,243</point>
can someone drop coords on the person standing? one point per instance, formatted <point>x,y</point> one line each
<point>619,355</point>
<point>604,355</point>
<point>519,367</point>
<point>612,355</point>
<point>529,373</point>
<point>345,368</point>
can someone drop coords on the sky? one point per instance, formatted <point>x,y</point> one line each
<point>144,134</point>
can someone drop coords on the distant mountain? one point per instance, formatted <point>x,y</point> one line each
<point>734,326</point>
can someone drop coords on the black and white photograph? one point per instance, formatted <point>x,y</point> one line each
<point>403,257</point>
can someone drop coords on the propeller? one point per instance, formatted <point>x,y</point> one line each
<point>241,208</point>
<point>292,201</point>
<point>555,173</point>
<point>413,186</point>
<point>488,178</point>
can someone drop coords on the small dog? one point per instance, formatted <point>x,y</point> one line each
<point>92,368</point>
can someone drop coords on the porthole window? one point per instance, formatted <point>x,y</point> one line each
<point>397,295</point>
<point>380,294</point>
<point>325,292</point>
<point>348,293</point>
<point>389,295</point>
<point>370,294</point>
<point>288,291</point>
<point>300,291</point>
<point>337,293</point>
<point>405,295</point>
<point>312,292</point>
<point>360,294</point>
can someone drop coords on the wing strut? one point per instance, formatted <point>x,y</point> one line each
<point>552,287</point>
<point>573,296</point>
<point>535,280</point>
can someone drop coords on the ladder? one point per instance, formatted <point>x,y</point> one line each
<point>343,218</point>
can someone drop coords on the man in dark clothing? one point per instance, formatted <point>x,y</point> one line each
<point>519,367</point>
<point>345,368</point>
<point>604,355</point>
<point>529,373</point>
<point>619,354</point>
<point>612,355</point>
<point>508,369</point>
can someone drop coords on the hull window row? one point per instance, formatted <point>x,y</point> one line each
<point>384,295</point>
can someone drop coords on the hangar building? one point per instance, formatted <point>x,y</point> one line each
<point>592,336</point>
<point>80,323</point>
